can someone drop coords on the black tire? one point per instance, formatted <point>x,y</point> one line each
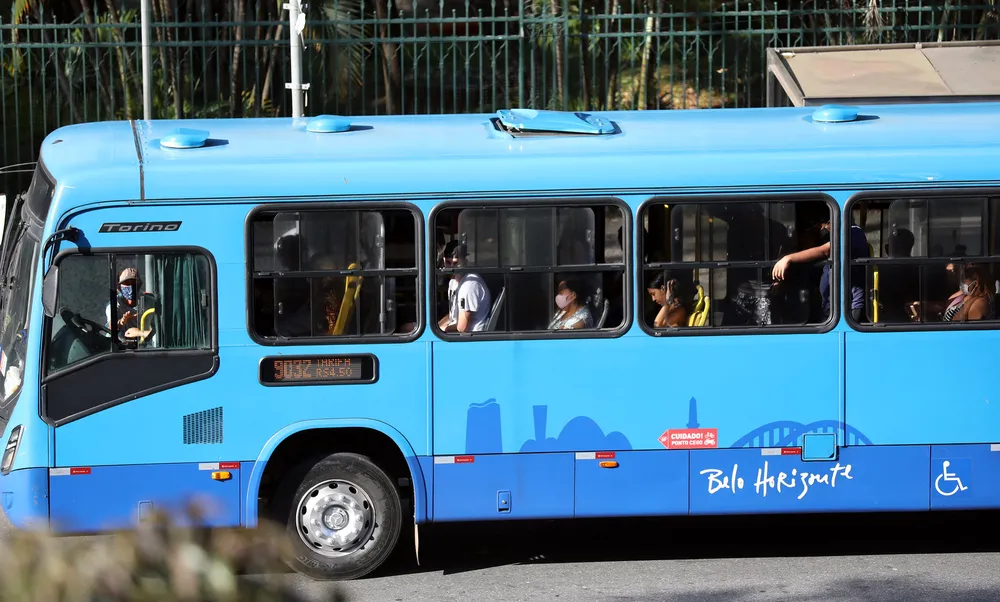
<point>370,482</point>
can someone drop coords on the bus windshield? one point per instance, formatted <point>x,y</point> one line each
<point>20,257</point>
<point>13,336</point>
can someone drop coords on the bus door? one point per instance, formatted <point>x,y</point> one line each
<point>131,380</point>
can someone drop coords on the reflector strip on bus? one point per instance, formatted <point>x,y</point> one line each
<point>595,455</point>
<point>66,472</point>
<point>781,451</point>
<point>454,459</point>
<point>219,466</point>
<point>994,447</point>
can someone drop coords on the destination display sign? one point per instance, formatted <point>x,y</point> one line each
<point>318,369</point>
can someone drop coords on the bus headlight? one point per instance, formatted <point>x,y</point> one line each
<point>11,450</point>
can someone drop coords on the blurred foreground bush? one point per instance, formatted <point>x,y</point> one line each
<point>158,561</point>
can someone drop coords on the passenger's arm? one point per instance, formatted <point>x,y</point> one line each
<point>805,256</point>
<point>672,316</point>
<point>461,326</point>
<point>463,321</point>
<point>470,296</point>
<point>661,318</point>
<point>978,309</point>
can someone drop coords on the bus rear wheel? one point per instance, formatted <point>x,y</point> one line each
<point>343,517</point>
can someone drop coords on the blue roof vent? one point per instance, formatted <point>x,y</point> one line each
<point>553,122</point>
<point>184,138</point>
<point>325,124</point>
<point>834,114</point>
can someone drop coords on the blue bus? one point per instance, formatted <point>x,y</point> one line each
<point>352,327</point>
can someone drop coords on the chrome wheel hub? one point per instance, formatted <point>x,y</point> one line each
<point>336,518</point>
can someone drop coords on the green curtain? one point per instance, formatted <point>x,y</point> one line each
<point>183,297</point>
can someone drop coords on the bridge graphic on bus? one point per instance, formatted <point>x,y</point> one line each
<point>484,432</point>
<point>786,433</point>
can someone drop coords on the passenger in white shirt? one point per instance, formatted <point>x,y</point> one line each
<point>469,299</point>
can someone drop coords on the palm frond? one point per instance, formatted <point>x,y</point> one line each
<point>20,9</point>
<point>873,21</point>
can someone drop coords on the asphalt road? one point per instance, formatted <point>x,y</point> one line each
<point>889,558</point>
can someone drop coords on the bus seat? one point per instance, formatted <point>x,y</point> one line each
<point>352,288</point>
<point>604,314</point>
<point>702,305</point>
<point>491,324</point>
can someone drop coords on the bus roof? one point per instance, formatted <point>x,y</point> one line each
<point>409,156</point>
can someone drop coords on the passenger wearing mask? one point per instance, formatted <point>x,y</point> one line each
<point>469,298</point>
<point>130,305</point>
<point>573,310</point>
<point>977,301</point>
<point>942,310</point>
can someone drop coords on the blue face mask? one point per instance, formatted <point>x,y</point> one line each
<point>126,292</point>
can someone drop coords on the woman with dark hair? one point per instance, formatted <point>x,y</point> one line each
<point>573,310</point>
<point>977,301</point>
<point>664,292</point>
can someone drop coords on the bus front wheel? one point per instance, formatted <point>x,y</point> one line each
<point>344,517</point>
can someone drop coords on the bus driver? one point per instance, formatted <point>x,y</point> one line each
<point>129,309</point>
<point>468,296</point>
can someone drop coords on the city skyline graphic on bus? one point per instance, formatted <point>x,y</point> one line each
<point>484,432</point>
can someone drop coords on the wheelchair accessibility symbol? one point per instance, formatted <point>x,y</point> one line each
<point>951,482</point>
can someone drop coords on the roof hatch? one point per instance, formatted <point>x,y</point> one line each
<point>532,122</point>
<point>835,114</point>
<point>184,138</point>
<point>327,124</point>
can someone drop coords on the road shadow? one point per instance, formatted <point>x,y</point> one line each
<point>460,547</point>
<point>894,589</point>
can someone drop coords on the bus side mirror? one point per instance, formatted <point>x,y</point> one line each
<point>51,281</point>
<point>49,287</point>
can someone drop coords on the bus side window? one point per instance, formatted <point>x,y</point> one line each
<point>83,295</point>
<point>320,273</point>
<point>713,264</point>
<point>931,247</point>
<point>110,303</point>
<point>531,268</point>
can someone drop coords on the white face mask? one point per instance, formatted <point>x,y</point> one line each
<point>562,301</point>
<point>965,288</point>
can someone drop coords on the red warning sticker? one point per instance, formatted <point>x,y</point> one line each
<point>690,438</point>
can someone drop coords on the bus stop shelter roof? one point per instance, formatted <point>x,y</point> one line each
<point>888,73</point>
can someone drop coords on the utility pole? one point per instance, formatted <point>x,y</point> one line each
<point>296,24</point>
<point>147,96</point>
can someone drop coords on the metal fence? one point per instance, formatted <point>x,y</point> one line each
<point>433,56</point>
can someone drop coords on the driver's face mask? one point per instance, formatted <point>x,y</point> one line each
<point>127,292</point>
